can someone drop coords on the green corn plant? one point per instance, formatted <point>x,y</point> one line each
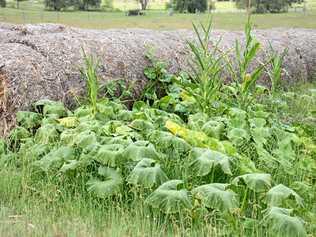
<point>275,71</point>
<point>244,80</point>
<point>205,81</point>
<point>89,73</point>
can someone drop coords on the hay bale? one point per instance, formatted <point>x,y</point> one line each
<point>43,61</point>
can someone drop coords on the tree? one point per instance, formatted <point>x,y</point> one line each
<point>85,5</point>
<point>191,6</point>
<point>143,4</point>
<point>3,3</point>
<point>264,6</point>
<point>57,5</point>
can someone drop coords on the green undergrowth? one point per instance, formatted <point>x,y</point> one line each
<point>192,157</point>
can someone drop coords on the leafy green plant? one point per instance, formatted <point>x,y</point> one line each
<point>278,194</point>
<point>147,173</point>
<point>89,73</point>
<point>216,196</point>
<point>245,80</point>
<point>282,224</point>
<point>158,78</point>
<point>109,185</point>
<point>205,81</point>
<point>170,198</point>
<point>206,161</point>
<point>275,73</point>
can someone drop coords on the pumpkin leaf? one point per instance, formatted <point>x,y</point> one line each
<point>141,149</point>
<point>47,134</point>
<point>28,120</point>
<point>110,155</point>
<point>205,160</point>
<point>216,196</point>
<point>282,224</point>
<point>69,122</point>
<point>170,198</point>
<point>147,173</point>
<point>257,182</point>
<point>55,158</point>
<point>110,184</point>
<point>278,194</point>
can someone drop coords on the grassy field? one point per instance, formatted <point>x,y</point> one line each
<point>226,17</point>
<point>156,19</point>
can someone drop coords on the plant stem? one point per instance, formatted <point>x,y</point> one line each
<point>244,202</point>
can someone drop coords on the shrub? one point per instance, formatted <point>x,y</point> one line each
<point>107,5</point>
<point>263,6</point>
<point>3,3</point>
<point>191,6</point>
<point>58,5</point>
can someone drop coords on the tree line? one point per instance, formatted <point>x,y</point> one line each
<point>182,6</point>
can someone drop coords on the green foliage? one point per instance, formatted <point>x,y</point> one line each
<point>257,182</point>
<point>147,173</point>
<point>89,73</point>
<point>194,167</point>
<point>206,161</point>
<point>3,3</point>
<point>58,5</point>
<point>190,6</point>
<point>282,224</point>
<point>265,6</point>
<point>108,185</point>
<point>278,194</point>
<point>275,73</point>
<point>244,81</point>
<point>205,82</point>
<point>170,197</point>
<point>216,196</point>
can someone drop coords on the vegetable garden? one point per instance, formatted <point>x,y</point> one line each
<point>192,156</point>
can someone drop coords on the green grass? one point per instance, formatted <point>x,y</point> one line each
<point>157,19</point>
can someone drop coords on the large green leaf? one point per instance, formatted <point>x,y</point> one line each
<point>216,196</point>
<point>257,182</point>
<point>238,118</point>
<point>214,128</point>
<point>278,194</point>
<point>238,135</point>
<point>281,224</point>
<point>147,173</point>
<point>167,142</point>
<point>205,160</point>
<point>54,109</point>
<point>47,134</point>
<point>55,158</point>
<point>170,198</point>
<point>109,185</point>
<point>259,131</point>
<point>85,139</point>
<point>141,149</point>
<point>110,155</point>
<point>28,119</point>
<point>17,135</point>
<point>141,125</point>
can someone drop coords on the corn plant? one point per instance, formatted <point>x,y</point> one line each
<point>244,80</point>
<point>205,80</point>
<point>275,72</point>
<point>89,73</point>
